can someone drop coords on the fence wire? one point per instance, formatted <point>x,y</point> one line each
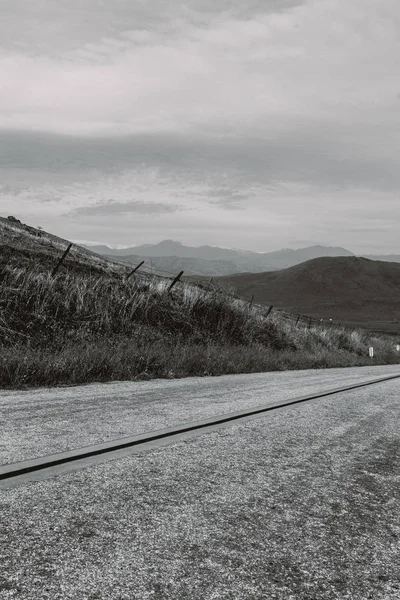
<point>207,283</point>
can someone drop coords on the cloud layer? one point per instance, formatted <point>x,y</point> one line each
<point>113,208</point>
<point>271,124</point>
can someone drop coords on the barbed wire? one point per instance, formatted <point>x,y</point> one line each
<point>208,284</point>
<point>298,319</point>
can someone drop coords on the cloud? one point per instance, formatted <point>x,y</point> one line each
<point>134,68</point>
<point>113,208</point>
<point>227,199</point>
<point>250,193</point>
<point>305,154</point>
<point>49,27</point>
<point>254,122</point>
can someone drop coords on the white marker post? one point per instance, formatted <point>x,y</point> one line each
<point>371,352</point>
<point>398,347</point>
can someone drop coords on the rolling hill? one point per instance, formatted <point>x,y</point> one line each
<point>353,290</point>
<point>88,322</point>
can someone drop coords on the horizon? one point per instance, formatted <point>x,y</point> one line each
<point>93,243</point>
<point>260,126</point>
<point>119,247</point>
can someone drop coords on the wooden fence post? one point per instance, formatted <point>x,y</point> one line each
<point>134,270</point>
<point>269,311</point>
<point>298,319</point>
<point>209,284</point>
<point>177,278</point>
<point>60,262</point>
<point>251,301</point>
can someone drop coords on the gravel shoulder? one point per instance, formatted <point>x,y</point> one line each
<point>300,504</point>
<point>44,421</point>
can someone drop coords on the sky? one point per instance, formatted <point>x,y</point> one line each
<point>258,124</point>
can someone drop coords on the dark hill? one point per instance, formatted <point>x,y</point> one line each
<point>352,290</point>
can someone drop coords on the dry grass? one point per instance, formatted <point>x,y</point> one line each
<point>79,327</point>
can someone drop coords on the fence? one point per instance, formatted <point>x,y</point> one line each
<point>208,284</point>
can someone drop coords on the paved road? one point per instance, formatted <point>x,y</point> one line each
<point>45,421</point>
<point>300,504</point>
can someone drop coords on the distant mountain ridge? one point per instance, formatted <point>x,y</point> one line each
<point>384,257</point>
<point>210,260</point>
<point>173,248</point>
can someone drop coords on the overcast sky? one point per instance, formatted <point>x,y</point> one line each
<point>257,124</point>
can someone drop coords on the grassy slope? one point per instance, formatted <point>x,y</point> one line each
<point>88,324</point>
<point>25,246</point>
<point>352,290</point>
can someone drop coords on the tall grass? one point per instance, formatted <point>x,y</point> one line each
<point>78,327</point>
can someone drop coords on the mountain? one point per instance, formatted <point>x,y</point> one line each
<point>385,257</point>
<point>172,248</point>
<point>211,261</point>
<point>107,250</point>
<point>353,290</point>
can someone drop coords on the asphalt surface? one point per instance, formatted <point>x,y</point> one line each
<point>302,503</point>
<point>45,421</point>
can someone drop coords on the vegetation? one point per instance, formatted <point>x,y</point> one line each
<point>90,324</point>
<point>352,290</point>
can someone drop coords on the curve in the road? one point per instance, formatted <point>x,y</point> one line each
<point>13,470</point>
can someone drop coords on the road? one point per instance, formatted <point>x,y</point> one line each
<point>48,420</point>
<point>302,503</point>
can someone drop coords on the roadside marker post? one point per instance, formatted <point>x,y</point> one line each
<point>371,352</point>
<point>398,347</point>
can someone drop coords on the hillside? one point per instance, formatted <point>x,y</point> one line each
<point>88,322</point>
<point>22,245</point>
<point>214,261</point>
<point>353,290</point>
